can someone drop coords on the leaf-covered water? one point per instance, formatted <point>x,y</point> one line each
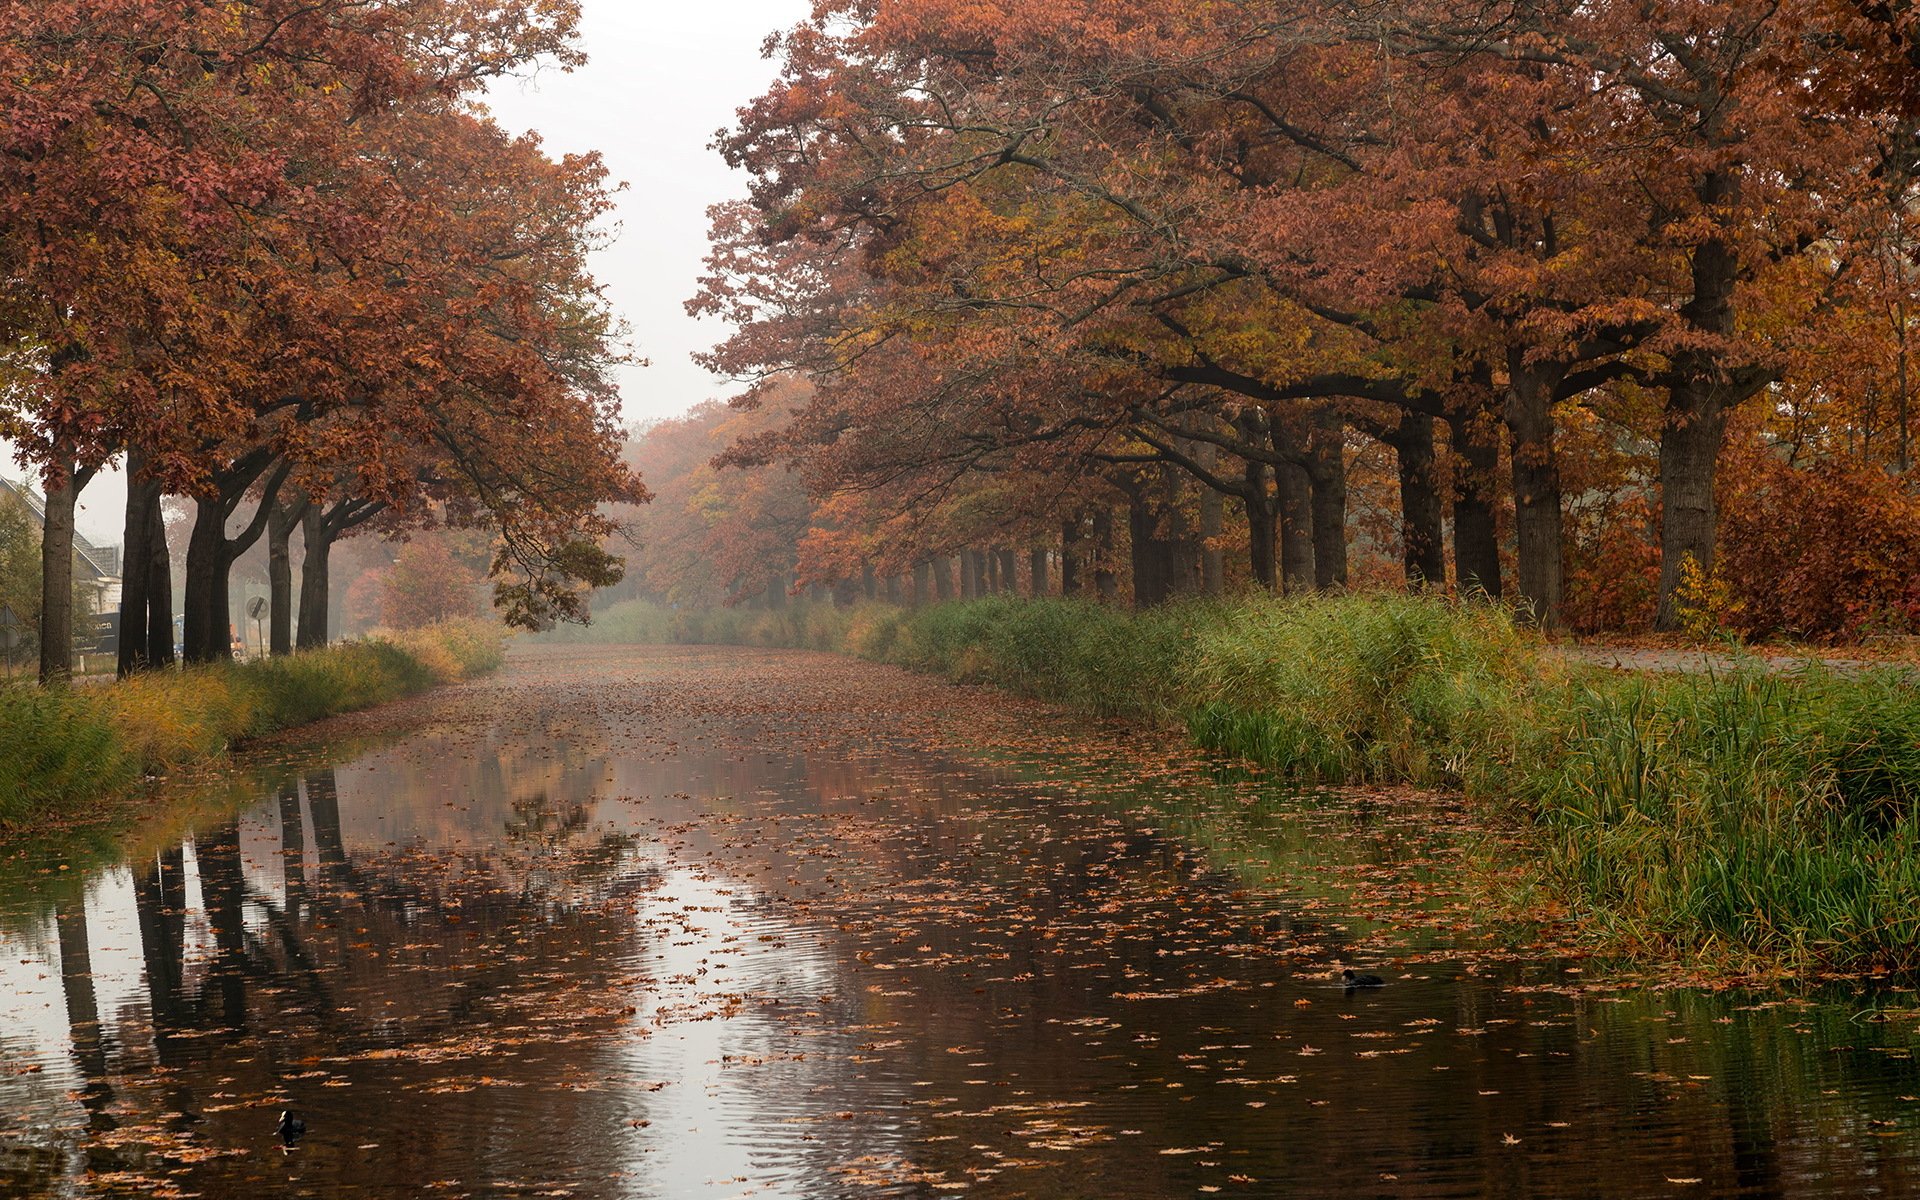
<point>690,923</point>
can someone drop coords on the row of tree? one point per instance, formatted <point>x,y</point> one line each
<point>273,256</point>
<point>1568,280</point>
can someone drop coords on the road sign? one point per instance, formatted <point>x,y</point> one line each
<point>256,608</point>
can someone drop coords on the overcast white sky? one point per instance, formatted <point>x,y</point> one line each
<point>663,77</point>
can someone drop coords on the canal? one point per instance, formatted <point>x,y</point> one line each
<point>657,922</point>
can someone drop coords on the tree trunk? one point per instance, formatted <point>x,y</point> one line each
<point>869,582</point>
<point>136,569</point>
<point>1106,584</point>
<point>1213,560</point>
<point>56,577</point>
<point>922,584</point>
<point>1071,565</point>
<point>1689,518</point>
<point>1150,555</point>
<point>315,579</point>
<point>1327,458</point>
<point>1536,488</point>
<point>1037,572</point>
<point>1422,534</point>
<point>969,576</point>
<point>1261,499</point>
<point>943,578</point>
<point>1262,525</point>
<point>160,590</point>
<point>208,606</point>
<point>1294,488</point>
<point>1009,572</point>
<point>891,589</point>
<point>280,527</point>
<point>1476,535</point>
<point>1697,402</point>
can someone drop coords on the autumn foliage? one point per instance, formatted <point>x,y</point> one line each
<point>1827,551</point>
<point>1481,299</point>
<point>276,258</point>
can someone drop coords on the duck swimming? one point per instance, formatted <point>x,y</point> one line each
<point>1351,979</point>
<point>291,1128</point>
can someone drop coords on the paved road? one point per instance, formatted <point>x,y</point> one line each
<point>1634,658</point>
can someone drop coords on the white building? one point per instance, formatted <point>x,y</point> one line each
<point>98,567</point>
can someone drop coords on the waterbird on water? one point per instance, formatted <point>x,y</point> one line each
<point>291,1128</point>
<point>1351,979</point>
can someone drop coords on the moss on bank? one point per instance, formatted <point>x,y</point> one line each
<point>62,748</point>
<point>1742,815</point>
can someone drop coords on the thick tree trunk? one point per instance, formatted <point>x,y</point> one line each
<point>922,584</point>
<point>1422,526</point>
<point>969,575</point>
<point>869,582</point>
<point>315,579</point>
<point>1213,560</point>
<point>1697,402</point>
<point>890,590</point>
<point>209,619</point>
<point>136,569</point>
<point>159,589</point>
<point>1037,585</point>
<point>943,578</point>
<point>1260,498</point>
<point>1689,516</point>
<point>1327,458</point>
<point>1294,488</point>
<point>211,553</point>
<point>1476,535</point>
<point>56,578</point>
<point>1106,584</point>
<point>1536,489</point>
<point>1151,555</point>
<point>280,528</point>
<point>1009,572</point>
<point>1262,527</point>
<point>1072,568</point>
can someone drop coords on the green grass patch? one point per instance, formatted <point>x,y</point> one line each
<point>64,748</point>
<point>1749,815</point>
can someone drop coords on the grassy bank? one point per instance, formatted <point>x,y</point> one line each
<point>1745,817</point>
<point>62,749</point>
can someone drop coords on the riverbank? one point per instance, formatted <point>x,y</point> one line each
<point>1741,819</point>
<point>63,750</point>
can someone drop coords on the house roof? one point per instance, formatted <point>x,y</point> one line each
<point>98,562</point>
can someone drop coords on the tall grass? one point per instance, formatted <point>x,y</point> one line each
<point>1747,814</point>
<point>64,748</point>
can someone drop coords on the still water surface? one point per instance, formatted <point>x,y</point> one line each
<point>714,923</point>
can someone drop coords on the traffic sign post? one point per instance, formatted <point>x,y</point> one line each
<point>257,609</point>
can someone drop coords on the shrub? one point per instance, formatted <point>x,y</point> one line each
<point>1829,551</point>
